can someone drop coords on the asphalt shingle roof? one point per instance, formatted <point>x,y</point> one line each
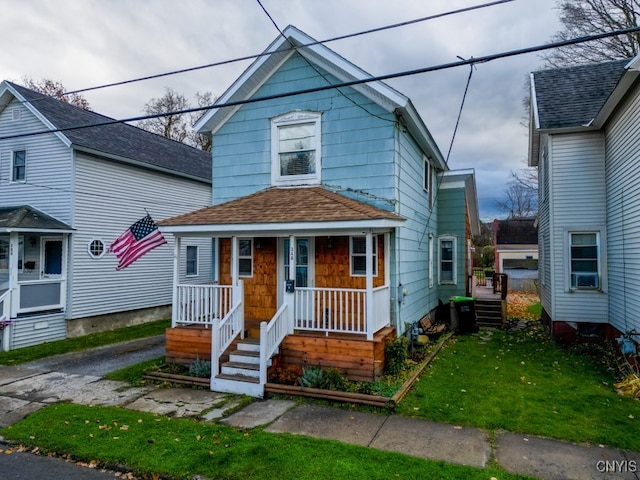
<point>573,96</point>
<point>521,231</point>
<point>120,139</point>
<point>284,205</point>
<point>27,217</point>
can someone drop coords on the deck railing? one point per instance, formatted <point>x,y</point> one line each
<point>340,310</point>
<point>271,336</point>
<point>225,331</point>
<point>201,304</point>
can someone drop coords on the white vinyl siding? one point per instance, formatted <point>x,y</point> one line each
<point>576,204</point>
<point>49,167</point>
<point>623,212</point>
<point>110,197</point>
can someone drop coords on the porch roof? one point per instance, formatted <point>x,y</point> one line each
<point>280,209</point>
<point>24,218</point>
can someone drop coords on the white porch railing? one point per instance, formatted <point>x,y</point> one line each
<point>5,318</point>
<point>5,305</point>
<point>342,310</point>
<point>226,330</point>
<point>201,304</point>
<point>272,334</point>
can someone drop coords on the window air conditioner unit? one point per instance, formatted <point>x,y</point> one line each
<point>587,280</point>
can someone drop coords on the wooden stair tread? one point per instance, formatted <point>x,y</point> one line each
<point>246,366</point>
<point>238,378</point>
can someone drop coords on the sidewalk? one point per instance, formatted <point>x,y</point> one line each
<point>25,389</point>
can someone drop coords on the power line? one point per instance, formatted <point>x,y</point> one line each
<point>318,42</point>
<point>362,81</point>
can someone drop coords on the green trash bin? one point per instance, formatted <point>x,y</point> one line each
<point>464,309</point>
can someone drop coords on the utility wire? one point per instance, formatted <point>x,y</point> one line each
<point>318,42</point>
<point>317,70</point>
<point>379,78</point>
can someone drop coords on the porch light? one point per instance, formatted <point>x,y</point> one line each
<point>259,244</point>
<point>329,243</point>
<point>33,241</point>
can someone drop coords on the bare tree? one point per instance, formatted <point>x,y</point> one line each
<point>173,126</point>
<point>55,89</point>
<point>202,142</point>
<point>589,17</point>
<point>520,195</point>
<point>176,126</point>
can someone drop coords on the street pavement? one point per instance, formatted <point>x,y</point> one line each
<point>76,378</point>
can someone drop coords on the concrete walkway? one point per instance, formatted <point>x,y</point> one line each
<point>25,389</point>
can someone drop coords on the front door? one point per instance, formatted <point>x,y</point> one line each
<point>303,264</point>
<point>51,256</point>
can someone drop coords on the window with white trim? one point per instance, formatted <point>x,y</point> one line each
<point>584,260</point>
<point>96,248</point>
<point>245,257</point>
<point>427,181</point>
<point>192,260</point>
<point>19,166</point>
<point>358,253</point>
<point>4,253</point>
<point>447,260</point>
<point>295,148</point>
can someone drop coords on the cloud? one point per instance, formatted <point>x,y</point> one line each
<point>94,42</point>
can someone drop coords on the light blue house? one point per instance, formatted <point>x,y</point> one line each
<point>64,197</point>
<point>326,215</point>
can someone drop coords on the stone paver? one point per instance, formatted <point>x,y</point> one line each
<point>49,387</point>
<point>13,410</point>
<point>258,413</point>
<point>177,402</point>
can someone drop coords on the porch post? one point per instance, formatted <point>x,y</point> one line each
<point>14,252</point>
<point>176,281</point>
<point>292,257</point>
<point>234,261</point>
<point>369,301</point>
<point>290,297</point>
<point>64,270</point>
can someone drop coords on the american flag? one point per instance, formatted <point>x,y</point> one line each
<point>140,238</point>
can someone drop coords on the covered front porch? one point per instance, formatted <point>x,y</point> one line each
<point>33,271</point>
<point>323,280</point>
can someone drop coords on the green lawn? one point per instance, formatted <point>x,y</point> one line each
<point>523,382</point>
<point>182,448</point>
<point>48,349</point>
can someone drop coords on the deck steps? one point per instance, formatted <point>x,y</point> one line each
<point>489,313</point>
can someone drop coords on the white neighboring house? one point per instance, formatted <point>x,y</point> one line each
<point>585,141</point>
<point>64,197</point>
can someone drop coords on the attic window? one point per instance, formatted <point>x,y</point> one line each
<point>16,114</point>
<point>295,142</point>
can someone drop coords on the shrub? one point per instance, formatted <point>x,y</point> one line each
<point>312,377</point>
<point>395,355</point>
<point>200,368</point>
<point>288,375</point>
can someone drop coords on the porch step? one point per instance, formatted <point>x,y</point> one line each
<point>245,356</point>
<point>241,368</point>
<point>249,345</point>
<point>489,313</point>
<point>238,378</point>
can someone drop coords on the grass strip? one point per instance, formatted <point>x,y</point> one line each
<point>28,354</point>
<point>522,381</point>
<point>182,448</point>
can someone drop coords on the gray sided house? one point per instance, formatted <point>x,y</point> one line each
<point>64,197</point>
<point>585,141</point>
<point>334,215</point>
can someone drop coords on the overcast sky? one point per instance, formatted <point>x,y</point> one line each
<point>83,43</point>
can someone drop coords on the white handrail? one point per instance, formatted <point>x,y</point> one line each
<point>5,298</point>
<point>224,331</point>
<point>271,336</point>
